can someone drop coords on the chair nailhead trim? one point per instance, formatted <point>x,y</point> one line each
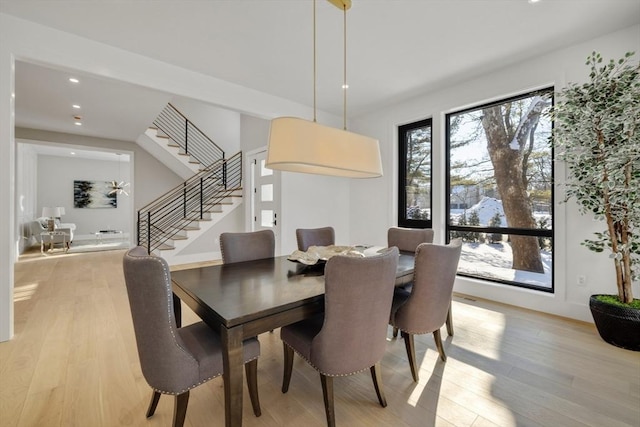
<point>324,373</point>
<point>169,294</point>
<point>195,385</point>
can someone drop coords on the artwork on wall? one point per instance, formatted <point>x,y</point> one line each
<point>94,194</point>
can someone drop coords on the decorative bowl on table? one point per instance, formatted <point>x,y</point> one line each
<point>321,254</point>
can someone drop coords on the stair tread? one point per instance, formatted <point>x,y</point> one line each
<point>212,210</point>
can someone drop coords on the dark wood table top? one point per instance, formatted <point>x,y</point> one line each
<point>233,294</point>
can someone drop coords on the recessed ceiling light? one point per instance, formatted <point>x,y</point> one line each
<point>73,153</point>
<point>345,86</point>
<point>78,124</point>
<point>533,1</point>
<point>76,106</point>
<point>74,80</point>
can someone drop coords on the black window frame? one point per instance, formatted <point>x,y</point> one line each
<point>502,230</point>
<point>403,221</point>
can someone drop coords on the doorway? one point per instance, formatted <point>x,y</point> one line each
<point>264,185</point>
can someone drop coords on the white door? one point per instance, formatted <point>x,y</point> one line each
<point>265,196</point>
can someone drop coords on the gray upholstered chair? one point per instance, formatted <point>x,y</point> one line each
<point>174,360</point>
<point>239,247</point>
<point>325,236</point>
<point>424,309</point>
<point>407,240</point>
<point>350,336</point>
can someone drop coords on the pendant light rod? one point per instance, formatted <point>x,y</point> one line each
<point>344,5</point>
<point>314,64</point>
<point>344,78</point>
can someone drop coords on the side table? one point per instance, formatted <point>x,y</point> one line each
<point>52,237</point>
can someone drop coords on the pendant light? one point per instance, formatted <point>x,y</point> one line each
<point>118,187</point>
<point>299,145</point>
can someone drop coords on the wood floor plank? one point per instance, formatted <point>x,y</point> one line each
<point>74,362</point>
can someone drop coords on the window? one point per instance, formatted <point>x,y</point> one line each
<point>500,190</point>
<point>414,193</point>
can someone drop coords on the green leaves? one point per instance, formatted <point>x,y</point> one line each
<point>597,135</point>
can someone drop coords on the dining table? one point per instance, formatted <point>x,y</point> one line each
<point>244,299</point>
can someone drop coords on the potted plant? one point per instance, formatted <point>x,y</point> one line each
<point>597,135</point>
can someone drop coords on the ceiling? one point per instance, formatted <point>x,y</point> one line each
<point>62,151</point>
<point>397,49</point>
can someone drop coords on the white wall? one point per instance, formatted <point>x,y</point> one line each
<point>219,124</point>
<point>26,190</point>
<point>376,200</point>
<point>10,234</point>
<point>254,133</point>
<point>311,201</point>
<point>56,176</point>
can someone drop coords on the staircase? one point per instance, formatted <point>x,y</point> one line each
<point>213,189</point>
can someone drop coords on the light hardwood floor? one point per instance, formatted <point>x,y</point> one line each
<point>73,362</point>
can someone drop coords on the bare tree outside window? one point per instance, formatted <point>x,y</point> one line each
<point>500,184</point>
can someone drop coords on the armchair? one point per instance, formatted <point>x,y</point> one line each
<point>39,226</point>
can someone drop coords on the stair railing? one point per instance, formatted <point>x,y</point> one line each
<point>188,136</point>
<point>180,208</point>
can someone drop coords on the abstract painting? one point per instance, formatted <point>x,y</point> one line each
<point>94,194</point>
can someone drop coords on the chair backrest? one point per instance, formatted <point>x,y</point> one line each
<point>325,236</point>
<point>166,363</point>
<point>358,296</point>
<point>408,239</point>
<point>433,278</point>
<point>239,247</point>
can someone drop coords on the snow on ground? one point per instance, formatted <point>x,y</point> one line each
<point>495,259</point>
<point>487,208</point>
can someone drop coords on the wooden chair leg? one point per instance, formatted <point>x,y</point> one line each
<point>155,397</point>
<point>177,310</point>
<point>327,393</point>
<point>180,409</point>
<point>449,322</point>
<point>251,370</point>
<point>288,367</point>
<point>438,340</point>
<point>377,383</point>
<point>411,354</point>
<point>395,332</point>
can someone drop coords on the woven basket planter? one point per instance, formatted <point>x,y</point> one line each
<point>619,326</point>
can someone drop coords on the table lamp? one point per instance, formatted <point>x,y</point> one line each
<point>50,213</point>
